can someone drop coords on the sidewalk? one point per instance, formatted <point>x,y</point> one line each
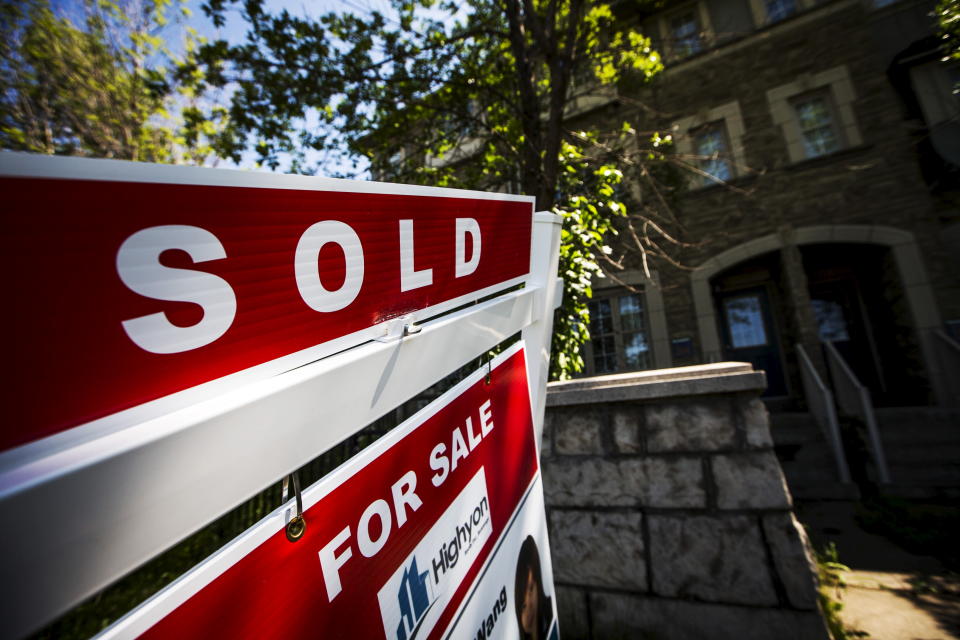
<point>891,594</point>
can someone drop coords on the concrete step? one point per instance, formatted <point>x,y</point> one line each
<point>919,424</point>
<point>932,435</point>
<point>913,492</point>
<point>924,414</point>
<point>921,452</point>
<point>806,459</point>
<point>926,475</point>
<point>793,428</point>
<point>922,446</point>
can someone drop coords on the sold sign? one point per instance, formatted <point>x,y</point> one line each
<point>128,289</point>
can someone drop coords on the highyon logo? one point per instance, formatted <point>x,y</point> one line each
<point>415,596</point>
<point>413,599</point>
<point>462,540</point>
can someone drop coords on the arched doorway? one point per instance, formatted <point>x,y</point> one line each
<point>853,275</point>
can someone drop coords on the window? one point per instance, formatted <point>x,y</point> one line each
<point>712,152</point>
<point>816,122</point>
<point>682,32</point>
<point>685,34</point>
<point>744,317</point>
<point>713,140</point>
<point>816,113</point>
<point>602,336</point>
<point>769,12</point>
<point>831,321</point>
<point>618,335</point>
<point>636,351</point>
<point>935,85</point>
<point>778,10</point>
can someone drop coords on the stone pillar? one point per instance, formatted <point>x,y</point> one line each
<point>669,515</point>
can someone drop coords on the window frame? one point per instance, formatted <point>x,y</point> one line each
<point>614,295</point>
<point>834,83</point>
<point>761,17</point>
<point>794,11</point>
<point>695,39</point>
<point>834,123</point>
<point>724,155</point>
<point>730,116</point>
<point>704,30</point>
<point>933,85</point>
<point>730,337</point>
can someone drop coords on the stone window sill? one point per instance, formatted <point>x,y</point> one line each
<point>829,158</point>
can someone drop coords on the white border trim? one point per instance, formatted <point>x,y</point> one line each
<point>32,165</point>
<point>189,584</point>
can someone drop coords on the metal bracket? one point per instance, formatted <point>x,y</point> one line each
<point>297,525</point>
<point>398,328</point>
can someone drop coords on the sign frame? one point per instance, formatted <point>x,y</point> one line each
<point>96,488</point>
<point>142,618</point>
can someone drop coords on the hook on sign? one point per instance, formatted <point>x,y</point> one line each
<point>297,525</point>
<point>489,370</point>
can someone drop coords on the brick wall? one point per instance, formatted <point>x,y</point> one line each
<point>669,516</point>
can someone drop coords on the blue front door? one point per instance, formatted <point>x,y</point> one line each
<point>750,335</point>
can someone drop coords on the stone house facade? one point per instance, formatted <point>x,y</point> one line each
<point>825,207</point>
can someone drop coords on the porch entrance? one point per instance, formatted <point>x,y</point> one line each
<point>856,301</point>
<point>859,304</point>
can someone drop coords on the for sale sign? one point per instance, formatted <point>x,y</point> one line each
<point>436,530</point>
<point>133,282</point>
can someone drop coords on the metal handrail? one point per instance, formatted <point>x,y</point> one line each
<point>950,361</point>
<point>820,401</point>
<point>853,399</point>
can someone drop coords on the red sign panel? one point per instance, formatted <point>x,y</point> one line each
<point>120,293</point>
<point>393,541</point>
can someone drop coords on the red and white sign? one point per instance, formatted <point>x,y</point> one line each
<point>129,288</point>
<point>437,526</point>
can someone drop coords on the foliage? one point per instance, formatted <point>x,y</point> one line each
<point>948,23</point>
<point>103,89</point>
<point>830,592</point>
<point>466,95</point>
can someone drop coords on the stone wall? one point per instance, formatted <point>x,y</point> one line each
<point>669,516</point>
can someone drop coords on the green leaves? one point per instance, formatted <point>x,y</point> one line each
<point>589,206</point>
<point>948,22</point>
<point>470,95</point>
<point>101,89</point>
